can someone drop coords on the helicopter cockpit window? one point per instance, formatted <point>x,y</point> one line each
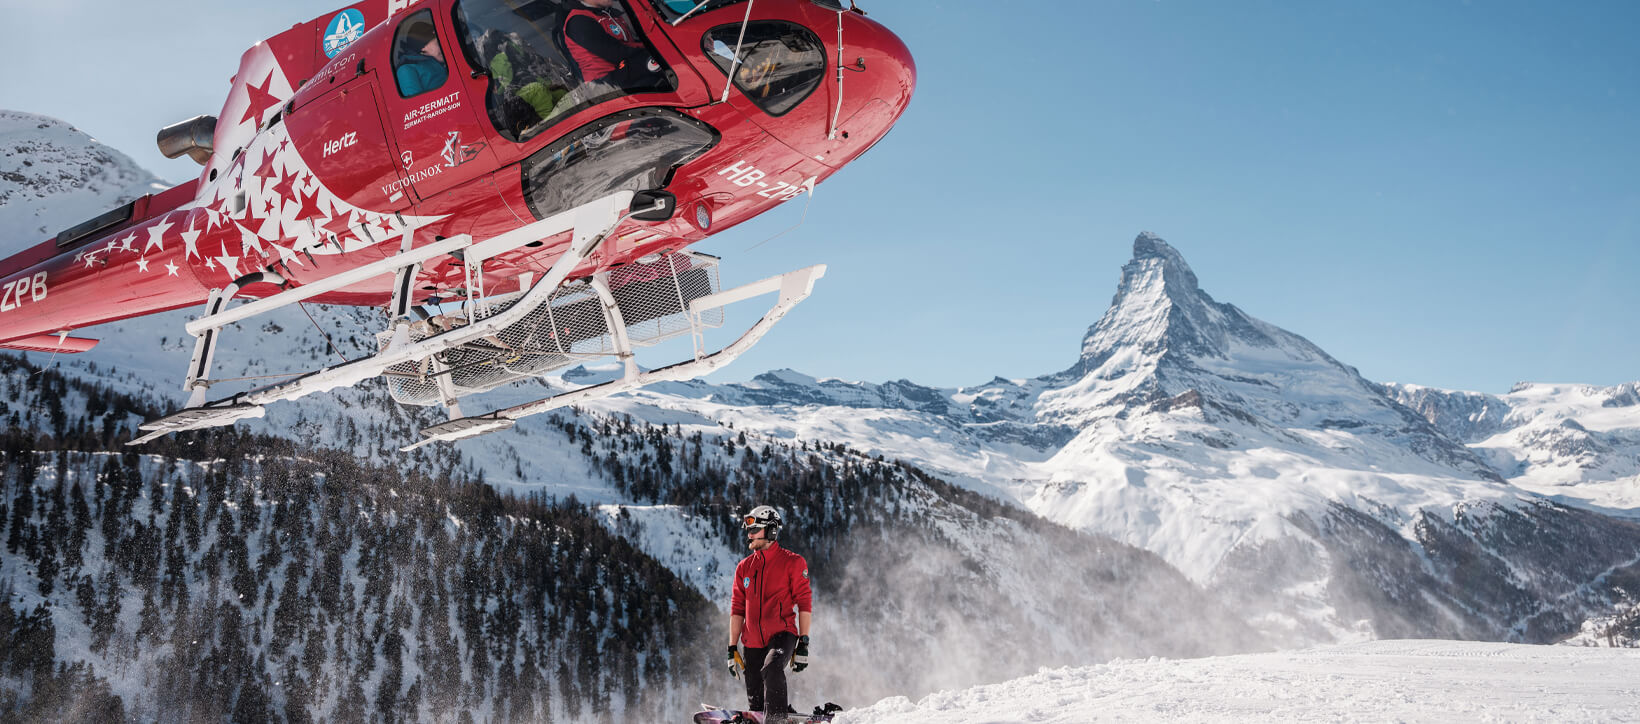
<point>418,59</point>
<point>546,61</point>
<point>780,63</point>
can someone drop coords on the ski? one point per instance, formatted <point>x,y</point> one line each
<point>720,715</point>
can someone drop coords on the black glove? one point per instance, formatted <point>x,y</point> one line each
<point>736,665</point>
<point>800,657</point>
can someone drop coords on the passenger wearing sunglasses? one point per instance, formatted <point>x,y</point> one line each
<point>769,612</point>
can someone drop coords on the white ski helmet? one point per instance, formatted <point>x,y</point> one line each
<point>767,518</point>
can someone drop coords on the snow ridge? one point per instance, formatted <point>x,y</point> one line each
<point>52,176</point>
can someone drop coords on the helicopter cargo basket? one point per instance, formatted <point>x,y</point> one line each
<point>651,299</point>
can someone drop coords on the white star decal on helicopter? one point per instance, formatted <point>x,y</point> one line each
<point>156,235</point>
<point>125,244</point>
<point>170,269</point>
<point>142,264</point>
<point>191,239</point>
<point>286,255</point>
<point>249,241</point>
<point>229,264</point>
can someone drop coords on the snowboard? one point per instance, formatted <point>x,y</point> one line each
<point>720,715</point>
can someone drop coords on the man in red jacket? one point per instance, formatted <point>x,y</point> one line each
<point>604,47</point>
<point>769,612</point>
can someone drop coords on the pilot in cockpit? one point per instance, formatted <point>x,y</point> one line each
<point>605,48</point>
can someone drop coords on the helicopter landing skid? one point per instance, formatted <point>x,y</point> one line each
<point>508,339</point>
<point>199,417</point>
<point>591,223</point>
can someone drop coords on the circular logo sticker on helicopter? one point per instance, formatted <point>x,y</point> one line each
<point>346,27</point>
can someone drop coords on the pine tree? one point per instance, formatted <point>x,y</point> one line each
<point>149,620</point>
<point>34,643</point>
<point>530,685</point>
<point>46,566</point>
<point>387,693</point>
<point>253,703</point>
<point>299,695</point>
<point>108,614</point>
<point>85,594</point>
<point>410,706</point>
<point>351,708</point>
<point>568,692</point>
<point>174,586</point>
<point>21,511</point>
<point>313,654</point>
<point>8,624</point>
<point>291,611</point>
<point>79,524</point>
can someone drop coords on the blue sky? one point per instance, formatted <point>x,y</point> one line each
<point>1435,191</point>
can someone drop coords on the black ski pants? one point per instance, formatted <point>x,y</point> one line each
<point>766,674</point>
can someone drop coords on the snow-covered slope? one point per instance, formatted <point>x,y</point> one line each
<point>1234,449</point>
<point>1579,444</point>
<point>45,159</point>
<point>1403,681</point>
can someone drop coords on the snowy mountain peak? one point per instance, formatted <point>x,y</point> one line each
<point>1160,317</point>
<point>782,377</point>
<point>53,175</point>
<point>1152,252</point>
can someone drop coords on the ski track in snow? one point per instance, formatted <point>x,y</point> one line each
<point>1406,681</point>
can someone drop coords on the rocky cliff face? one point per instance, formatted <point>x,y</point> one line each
<point>1464,416</point>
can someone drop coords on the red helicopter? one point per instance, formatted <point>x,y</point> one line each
<point>515,182</point>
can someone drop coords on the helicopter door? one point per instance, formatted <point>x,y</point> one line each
<point>429,110</point>
<point>340,137</point>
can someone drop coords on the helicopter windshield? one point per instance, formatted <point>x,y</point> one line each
<point>546,61</point>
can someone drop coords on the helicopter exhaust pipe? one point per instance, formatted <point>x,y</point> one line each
<point>195,137</point>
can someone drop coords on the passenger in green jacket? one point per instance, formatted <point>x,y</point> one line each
<point>521,73</point>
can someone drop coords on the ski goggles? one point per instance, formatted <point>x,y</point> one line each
<point>752,522</point>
